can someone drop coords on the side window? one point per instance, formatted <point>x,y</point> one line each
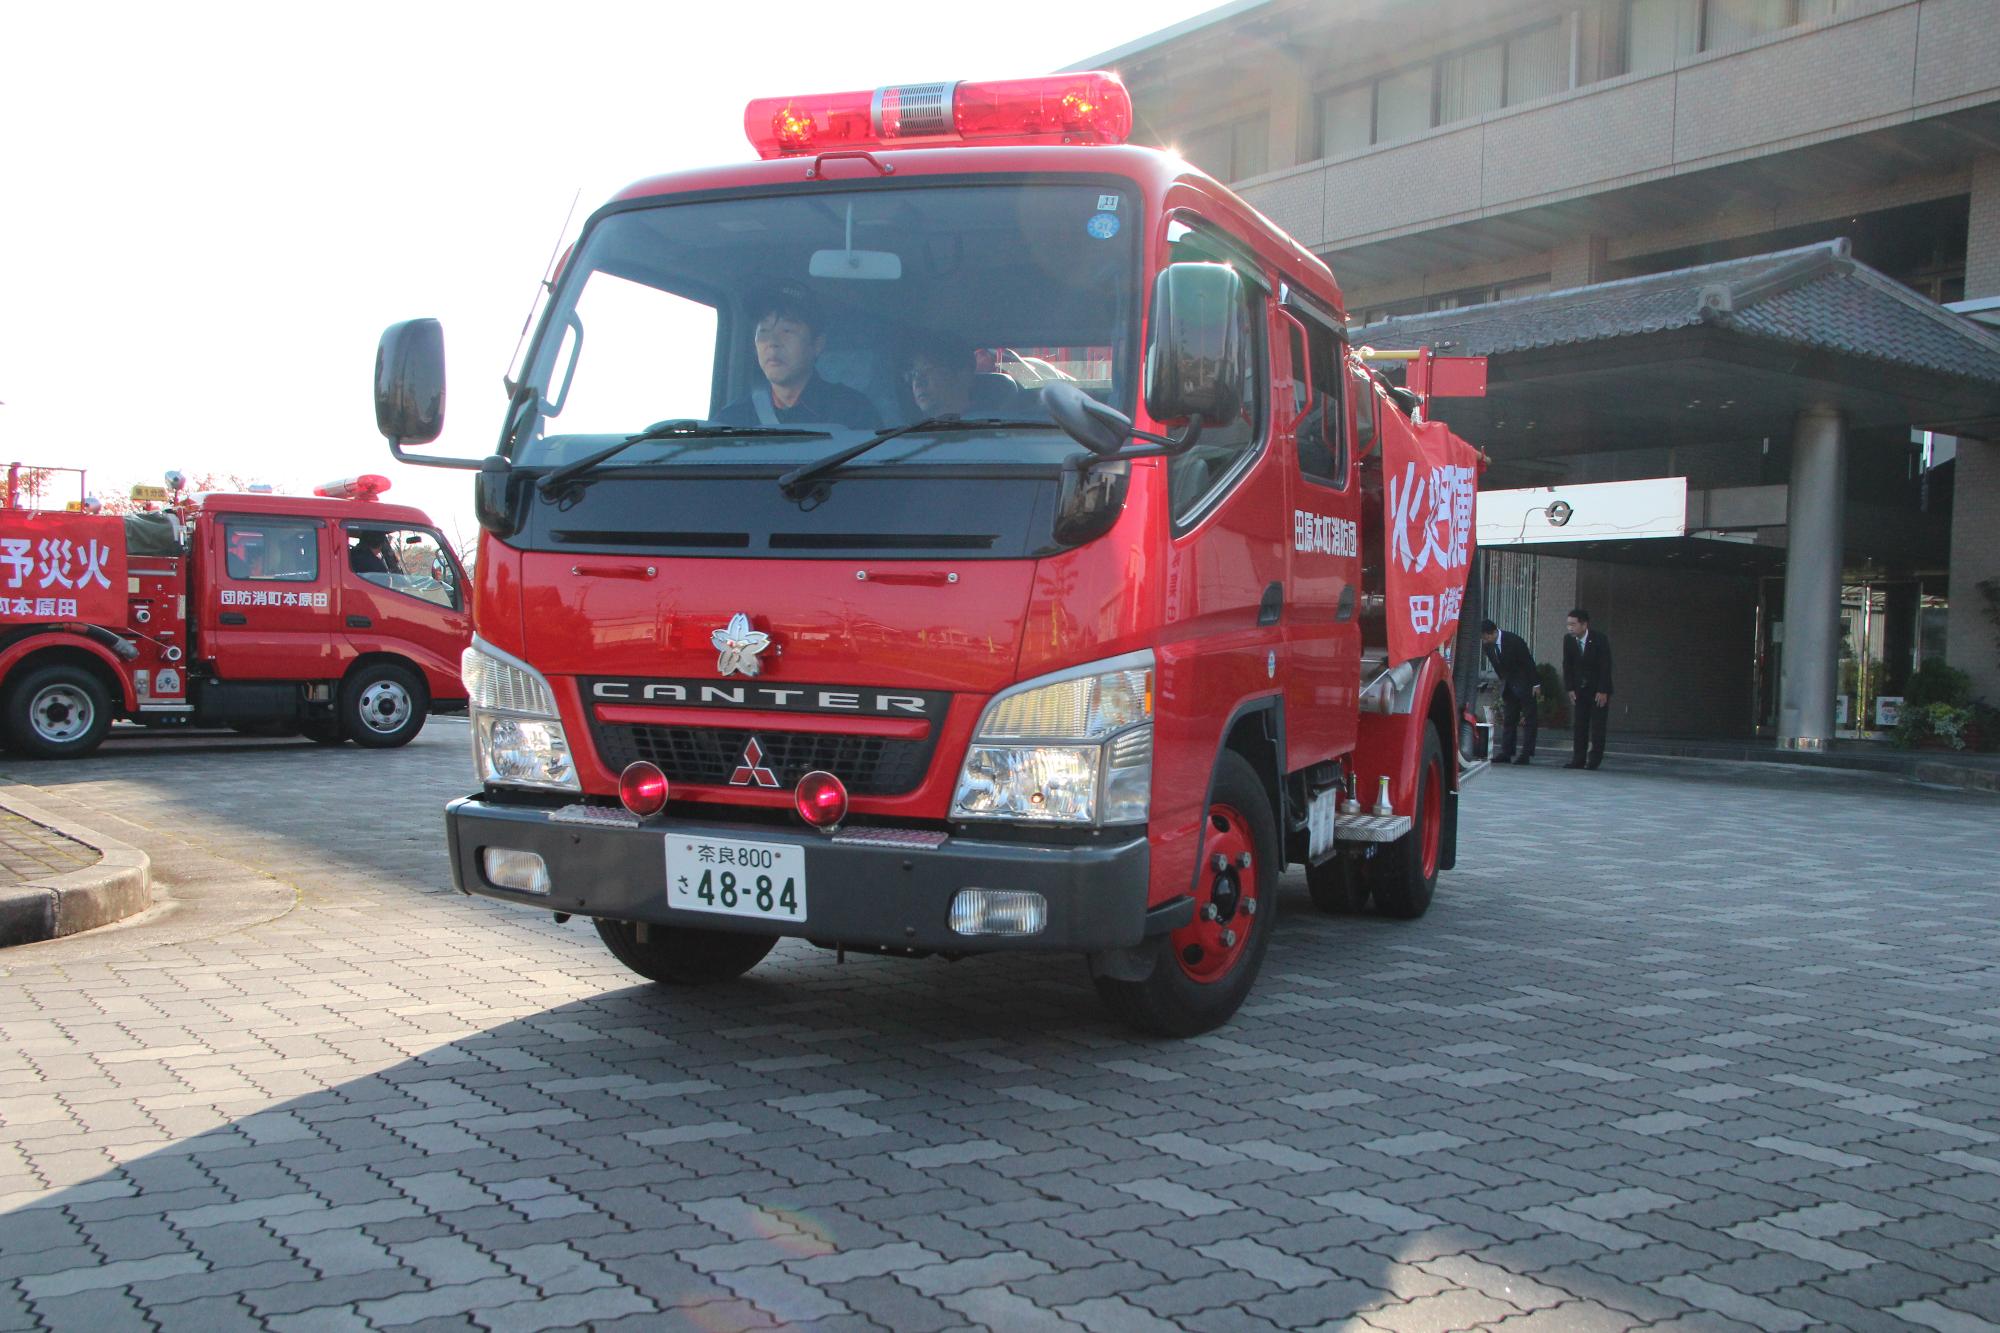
<point>1323,428</point>
<point>1200,473</point>
<point>1364,412</point>
<point>271,549</point>
<point>410,561</point>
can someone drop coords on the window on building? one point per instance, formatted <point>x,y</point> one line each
<point>1234,151</point>
<point>1403,104</point>
<point>1472,83</point>
<point>1537,63</point>
<point>1347,120</point>
<point>1519,67</point>
<point>1660,32</point>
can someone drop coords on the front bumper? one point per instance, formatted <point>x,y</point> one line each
<point>864,887</point>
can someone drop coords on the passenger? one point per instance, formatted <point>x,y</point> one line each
<point>790,335</point>
<point>945,380</point>
<point>370,555</point>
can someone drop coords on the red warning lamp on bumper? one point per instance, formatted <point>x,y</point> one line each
<point>366,487</point>
<point>1091,107</point>
<point>821,800</point>
<point>642,788</point>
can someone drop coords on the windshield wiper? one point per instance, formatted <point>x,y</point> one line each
<point>680,429</point>
<point>791,481</point>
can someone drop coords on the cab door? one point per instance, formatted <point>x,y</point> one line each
<point>401,591</point>
<point>1322,612</point>
<point>266,604</point>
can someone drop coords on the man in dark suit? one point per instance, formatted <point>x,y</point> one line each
<point>1520,688</point>
<point>1587,677</point>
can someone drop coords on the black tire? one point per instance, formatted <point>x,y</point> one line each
<point>56,712</point>
<point>684,957</point>
<point>322,731</point>
<point>383,706</point>
<point>1403,877</point>
<point>1188,993</point>
<point>1337,885</point>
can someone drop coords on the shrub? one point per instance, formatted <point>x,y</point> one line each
<point>1936,683</point>
<point>1555,703</point>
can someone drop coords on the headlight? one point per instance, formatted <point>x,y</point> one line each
<point>517,737</point>
<point>1073,749</point>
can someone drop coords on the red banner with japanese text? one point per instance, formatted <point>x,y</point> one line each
<point>1431,483</point>
<point>61,567</point>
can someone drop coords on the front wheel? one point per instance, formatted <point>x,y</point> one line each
<point>1404,876</point>
<point>1202,972</point>
<point>684,957</point>
<point>383,706</point>
<point>57,712</point>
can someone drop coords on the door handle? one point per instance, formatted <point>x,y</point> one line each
<point>1344,611</point>
<point>1273,606</point>
<point>235,618</point>
<point>359,622</point>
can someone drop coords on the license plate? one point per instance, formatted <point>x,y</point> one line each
<point>765,880</point>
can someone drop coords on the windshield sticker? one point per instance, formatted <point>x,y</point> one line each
<point>1103,226</point>
<point>1107,203</point>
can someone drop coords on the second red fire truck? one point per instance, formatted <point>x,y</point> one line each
<point>337,616</point>
<point>956,531</point>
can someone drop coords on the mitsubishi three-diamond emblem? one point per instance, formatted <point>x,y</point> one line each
<point>737,646</point>
<point>752,768</point>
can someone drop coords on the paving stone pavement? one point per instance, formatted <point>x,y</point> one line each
<point>1709,1052</point>
<point>30,852</point>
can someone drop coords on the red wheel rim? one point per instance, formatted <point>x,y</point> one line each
<point>1225,900</point>
<point>1433,817</point>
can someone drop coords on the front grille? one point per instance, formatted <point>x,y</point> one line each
<point>869,765</point>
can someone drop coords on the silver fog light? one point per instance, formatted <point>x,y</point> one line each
<point>510,868</point>
<point>998,912</point>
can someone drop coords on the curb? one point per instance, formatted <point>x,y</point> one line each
<point>118,886</point>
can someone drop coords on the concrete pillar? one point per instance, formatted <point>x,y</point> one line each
<point>1972,639</point>
<point>1813,555</point>
<point>1982,242</point>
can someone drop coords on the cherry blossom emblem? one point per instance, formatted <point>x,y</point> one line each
<point>737,646</point>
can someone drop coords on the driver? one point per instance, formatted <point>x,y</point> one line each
<point>789,334</point>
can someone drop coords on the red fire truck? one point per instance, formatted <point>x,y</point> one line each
<point>337,616</point>
<point>959,532</point>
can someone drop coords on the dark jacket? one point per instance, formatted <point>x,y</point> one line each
<point>821,403</point>
<point>1513,663</point>
<point>1587,667</point>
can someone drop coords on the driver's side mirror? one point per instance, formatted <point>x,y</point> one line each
<point>409,382</point>
<point>1199,344</point>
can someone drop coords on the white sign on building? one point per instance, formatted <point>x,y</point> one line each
<point>1601,511</point>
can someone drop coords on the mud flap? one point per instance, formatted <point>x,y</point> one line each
<point>1136,963</point>
<point>1448,834</point>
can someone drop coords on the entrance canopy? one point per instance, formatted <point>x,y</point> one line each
<point>1704,355</point>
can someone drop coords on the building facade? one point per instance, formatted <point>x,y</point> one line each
<point>1447,155</point>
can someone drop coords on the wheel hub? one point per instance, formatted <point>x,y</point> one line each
<point>1225,900</point>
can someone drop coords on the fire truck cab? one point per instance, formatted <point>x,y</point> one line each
<point>957,532</point>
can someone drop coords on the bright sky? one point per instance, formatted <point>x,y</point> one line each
<point>209,212</point>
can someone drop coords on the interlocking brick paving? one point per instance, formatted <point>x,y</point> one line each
<point>1709,1045</point>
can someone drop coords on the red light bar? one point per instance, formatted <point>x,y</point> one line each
<point>1060,108</point>
<point>353,488</point>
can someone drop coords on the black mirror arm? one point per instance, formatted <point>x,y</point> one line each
<point>402,455</point>
<point>1161,446</point>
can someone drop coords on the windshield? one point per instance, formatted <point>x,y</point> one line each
<point>811,320</point>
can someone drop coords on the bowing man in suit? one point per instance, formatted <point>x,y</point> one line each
<point>1520,688</point>
<point>1587,677</point>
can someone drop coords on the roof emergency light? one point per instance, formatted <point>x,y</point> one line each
<point>1091,107</point>
<point>366,487</point>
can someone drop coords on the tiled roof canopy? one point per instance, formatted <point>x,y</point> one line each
<point>1816,297</point>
